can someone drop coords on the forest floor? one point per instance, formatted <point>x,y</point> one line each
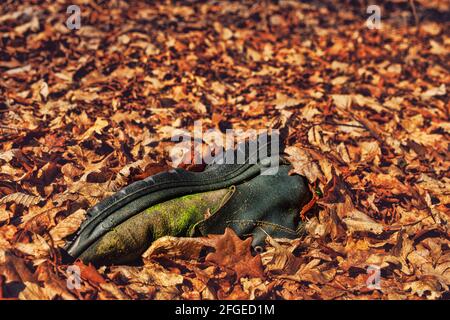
<point>84,112</point>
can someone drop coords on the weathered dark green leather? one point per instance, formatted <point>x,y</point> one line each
<point>265,205</point>
<point>164,186</point>
<point>127,241</point>
<point>261,204</point>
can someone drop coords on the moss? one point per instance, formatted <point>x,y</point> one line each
<point>175,217</point>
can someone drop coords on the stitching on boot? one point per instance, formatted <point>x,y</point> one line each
<point>259,223</point>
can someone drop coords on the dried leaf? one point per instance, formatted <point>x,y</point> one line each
<point>172,247</point>
<point>303,164</point>
<point>68,226</point>
<point>90,273</point>
<point>33,292</point>
<point>21,198</point>
<point>234,253</point>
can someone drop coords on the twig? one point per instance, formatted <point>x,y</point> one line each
<point>333,123</point>
<point>8,128</point>
<point>416,18</point>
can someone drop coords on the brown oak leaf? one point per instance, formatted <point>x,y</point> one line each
<point>89,273</point>
<point>235,254</point>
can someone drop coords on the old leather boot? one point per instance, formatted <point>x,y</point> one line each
<point>182,203</point>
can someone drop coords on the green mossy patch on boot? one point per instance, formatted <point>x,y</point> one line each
<point>175,217</point>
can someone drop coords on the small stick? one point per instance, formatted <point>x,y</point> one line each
<point>416,18</point>
<point>8,128</point>
<point>343,124</point>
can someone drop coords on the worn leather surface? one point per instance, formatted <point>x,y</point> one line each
<point>262,203</point>
<point>164,186</point>
<point>129,240</point>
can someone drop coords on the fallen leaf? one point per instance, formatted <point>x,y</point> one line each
<point>68,226</point>
<point>21,198</point>
<point>235,254</point>
<point>90,273</point>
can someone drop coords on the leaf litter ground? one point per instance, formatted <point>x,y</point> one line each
<point>365,113</point>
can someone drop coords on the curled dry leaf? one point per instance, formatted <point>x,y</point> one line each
<point>124,174</point>
<point>90,273</point>
<point>428,287</point>
<point>54,285</point>
<point>34,291</point>
<point>21,198</point>
<point>71,171</point>
<point>278,259</point>
<point>356,220</point>
<point>342,101</point>
<point>111,291</point>
<point>436,91</point>
<point>235,254</point>
<point>254,287</point>
<point>68,226</point>
<point>38,248</point>
<point>14,269</point>
<point>303,163</point>
<point>162,277</point>
<point>8,155</point>
<point>173,247</point>
<point>311,272</point>
<point>359,221</point>
<point>98,126</point>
